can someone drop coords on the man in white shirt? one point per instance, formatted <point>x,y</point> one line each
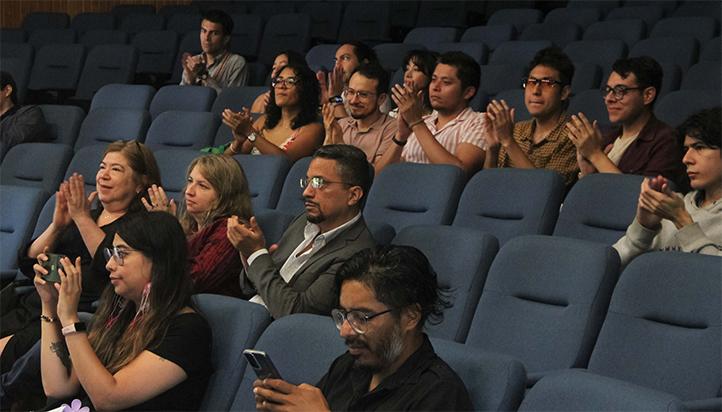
<point>298,276</point>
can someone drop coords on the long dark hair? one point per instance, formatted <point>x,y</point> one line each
<point>309,96</point>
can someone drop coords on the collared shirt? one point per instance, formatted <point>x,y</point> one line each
<point>311,233</point>
<point>423,382</point>
<point>227,70</point>
<point>373,141</point>
<point>467,127</point>
<point>555,152</point>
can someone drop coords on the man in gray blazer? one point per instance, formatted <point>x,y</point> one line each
<point>298,277</point>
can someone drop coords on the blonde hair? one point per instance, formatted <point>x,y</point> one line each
<point>228,179</point>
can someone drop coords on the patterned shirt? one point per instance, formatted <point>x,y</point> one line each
<point>467,127</point>
<point>227,70</point>
<point>555,152</point>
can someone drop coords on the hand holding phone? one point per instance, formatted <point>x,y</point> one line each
<point>261,364</point>
<point>52,265</point>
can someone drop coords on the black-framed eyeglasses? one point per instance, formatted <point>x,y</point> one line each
<point>316,182</point>
<point>357,319</point>
<point>618,91</point>
<point>116,253</point>
<point>532,81</point>
<point>350,93</point>
<point>291,81</point>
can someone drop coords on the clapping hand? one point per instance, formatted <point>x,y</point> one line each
<point>159,201</point>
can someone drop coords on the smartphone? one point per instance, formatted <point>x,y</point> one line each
<point>52,265</point>
<point>261,364</point>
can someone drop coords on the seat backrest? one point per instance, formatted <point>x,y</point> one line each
<point>57,67</point>
<point>682,51</point>
<point>701,28</point>
<point>45,20</point>
<point>494,382</point>
<point>432,35</point>
<point>182,98</point>
<point>602,52</point>
<point>559,34</point>
<point>604,5</point>
<point>122,10</point>
<point>156,51</point>
<point>703,76</point>
<point>247,34</point>
<point>591,103</point>
<point>184,22</point>
<point>63,122</point>
<point>407,194</point>
<point>123,96</point>
<point>40,165</point>
<point>191,44</point>
<point>587,76</point>
<point>265,175</point>
<point>515,99</point>
<point>94,38</point>
<point>107,64</point>
<point>582,17</point>
<point>173,164</point>
<point>20,208</point>
<point>711,50</point>
<point>676,107</point>
<point>510,202</point>
<point>544,301</point>
<point>19,69</point>
<point>86,162</point>
<point>291,200</point>
<point>236,325</point>
<point>134,23</point>
<point>268,9</point>
<point>497,78</point>
<point>302,347</point>
<point>326,19</point>
<point>236,98</point>
<point>478,51</point>
<point>43,37</point>
<point>283,32</point>
<point>13,35</point>
<point>109,125</point>
<point>85,22</point>
<point>519,18</point>
<point>662,330</point>
<point>322,55</point>
<point>389,53</point>
<point>461,258</point>
<point>518,52</point>
<point>442,14</point>
<point>182,130</point>
<point>365,21</point>
<point>630,31</point>
<point>492,36</point>
<point>698,8</point>
<point>649,14</point>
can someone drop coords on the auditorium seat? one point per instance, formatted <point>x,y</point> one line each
<point>649,14</point>
<point>235,99</point>
<point>391,54</point>
<point>270,8</point>
<point>247,35</point>
<point>584,17</point>
<point>322,56</point>
<point>183,23</point>
<point>40,165</point>
<point>519,18</point>
<point>701,28</point>
<point>558,33</point>
<point>156,52</point>
<point>365,21</point>
<point>291,200</point>
<point>17,60</point>
<point>599,207</point>
<point>591,103</point>
<point>182,130</point>
<point>429,36</point>
<point>222,5</point>
<point>258,74</point>
<point>404,14</point>
<point>85,22</point>
<point>20,206</point>
<point>123,96</point>
<point>171,10</point>
<point>711,50</point>
<point>442,14</point>
<point>518,52</point>
<point>236,325</point>
<point>515,99</point>
<point>682,51</point>
<point>13,35</point>
<point>109,125</point>
<point>544,302</point>
<point>694,8</point>
<point>630,31</point>
<point>182,98</point>
<point>121,11</point>
<point>478,51</point>
<point>266,175</point>
<point>106,64</point>
<point>704,75</point>
<point>63,122</point>
<point>95,38</point>
<point>173,164</point>
<point>45,20</point>
<point>327,18</point>
<point>676,107</point>
<point>283,32</point>
<point>86,163</point>
<point>496,78</point>
<point>191,44</point>
<point>604,5</point>
<point>601,52</point>
<point>671,80</point>
<point>273,224</point>
<point>57,67</point>
<point>43,37</point>
<point>136,22</point>
<point>492,36</point>
<point>461,258</point>
<point>587,76</point>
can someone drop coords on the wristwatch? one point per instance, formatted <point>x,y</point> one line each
<point>75,327</point>
<point>203,76</point>
<point>252,137</point>
<point>335,99</point>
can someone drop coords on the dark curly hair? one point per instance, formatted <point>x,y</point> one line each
<point>309,95</point>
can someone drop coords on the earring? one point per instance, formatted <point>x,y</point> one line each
<point>144,304</point>
<point>119,304</point>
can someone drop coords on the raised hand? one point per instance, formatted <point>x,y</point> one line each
<point>246,239</point>
<point>241,123</point>
<point>70,288</point>
<point>410,102</point>
<point>46,290</point>
<point>159,201</point>
<point>335,82</point>
<point>61,217</point>
<point>78,205</point>
<point>333,129</point>
<point>586,136</point>
<point>502,119</point>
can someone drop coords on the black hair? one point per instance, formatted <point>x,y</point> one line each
<point>554,58</point>
<point>363,52</point>
<point>309,95</point>
<point>222,18</point>
<point>400,277</point>
<point>426,61</point>
<point>7,80</point>
<point>374,71</point>
<point>467,69</point>
<point>647,71</point>
<point>351,166</point>
<point>294,58</point>
<point>704,126</point>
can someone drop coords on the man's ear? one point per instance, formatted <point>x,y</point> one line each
<point>8,90</point>
<point>381,99</point>
<point>565,92</point>
<point>226,39</point>
<point>649,94</point>
<point>469,92</point>
<point>410,317</point>
<point>355,195</point>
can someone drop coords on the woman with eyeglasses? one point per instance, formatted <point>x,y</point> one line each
<point>80,230</point>
<point>285,58</point>
<point>216,189</point>
<point>291,126</point>
<point>147,349</point>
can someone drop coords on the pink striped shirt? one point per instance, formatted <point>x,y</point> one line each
<point>467,127</point>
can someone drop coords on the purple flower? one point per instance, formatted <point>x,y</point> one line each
<point>75,406</point>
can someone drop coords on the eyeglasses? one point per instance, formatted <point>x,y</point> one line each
<point>534,81</point>
<point>316,182</point>
<point>291,81</point>
<point>350,93</point>
<point>618,91</point>
<point>357,320</point>
<point>116,253</point>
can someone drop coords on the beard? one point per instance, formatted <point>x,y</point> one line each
<point>315,219</point>
<point>387,349</point>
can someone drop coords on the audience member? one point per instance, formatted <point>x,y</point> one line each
<point>690,223</point>
<point>291,126</point>
<point>542,141</point>
<point>387,294</point>
<point>18,124</point>
<point>348,57</point>
<point>298,276</point>
<point>147,348</point>
<point>642,145</point>
<point>452,135</point>
<point>80,232</point>
<point>215,67</point>
<point>216,189</point>
<point>367,128</point>
<point>282,60</point>
<point>418,67</point>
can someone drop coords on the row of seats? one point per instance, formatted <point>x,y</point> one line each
<point>648,338</point>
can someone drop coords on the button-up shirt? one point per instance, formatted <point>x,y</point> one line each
<point>375,140</point>
<point>227,70</point>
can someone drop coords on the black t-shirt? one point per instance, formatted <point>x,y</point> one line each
<point>423,383</point>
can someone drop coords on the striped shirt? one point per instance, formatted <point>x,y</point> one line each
<point>467,127</point>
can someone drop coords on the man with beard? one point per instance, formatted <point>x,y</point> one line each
<point>367,128</point>
<point>387,294</point>
<point>298,276</point>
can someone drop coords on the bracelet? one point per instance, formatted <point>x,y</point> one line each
<point>402,144</point>
<point>46,319</point>
<point>232,149</point>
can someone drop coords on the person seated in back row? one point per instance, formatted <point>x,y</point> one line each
<point>285,58</point>
<point>19,124</point>
<point>690,223</point>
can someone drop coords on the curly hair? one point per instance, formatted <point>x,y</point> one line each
<point>309,98</point>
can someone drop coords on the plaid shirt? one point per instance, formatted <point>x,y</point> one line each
<point>555,152</point>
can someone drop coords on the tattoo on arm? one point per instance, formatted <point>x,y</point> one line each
<point>61,349</point>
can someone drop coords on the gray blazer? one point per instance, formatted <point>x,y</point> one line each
<point>311,288</point>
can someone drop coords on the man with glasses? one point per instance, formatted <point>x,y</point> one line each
<point>641,144</point>
<point>387,294</point>
<point>539,143</point>
<point>298,276</point>
<point>367,128</point>
<point>348,57</point>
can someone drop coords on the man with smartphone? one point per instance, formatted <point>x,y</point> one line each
<point>387,294</point>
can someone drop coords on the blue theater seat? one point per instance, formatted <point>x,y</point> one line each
<point>182,130</point>
<point>88,21</point>
<point>106,64</point>
<point>63,122</point>
<point>182,98</point>
<point>39,165</point>
<point>123,96</point>
<point>102,126</point>
<point>20,208</point>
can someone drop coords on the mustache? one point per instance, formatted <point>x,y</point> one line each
<point>306,200</point>
<point>355,341</point>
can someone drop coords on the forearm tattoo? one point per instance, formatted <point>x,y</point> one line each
<point>61,349</point>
